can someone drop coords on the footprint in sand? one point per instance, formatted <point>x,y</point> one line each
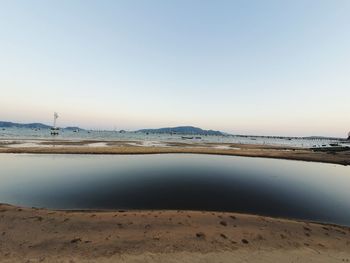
<point>223,236</point>
<point>245,241</point>
<point>340,231</point>
<point>223,223</point>
<point>75,240</point>
<point>260,237</point>
<point>307,229</point>
<point>200,235</point>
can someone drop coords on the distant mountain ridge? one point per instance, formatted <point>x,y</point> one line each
<point>183,130</point>
<point>8,124</point>
<point>190,130</point>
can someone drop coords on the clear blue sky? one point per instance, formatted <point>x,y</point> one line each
<point>256,67</point>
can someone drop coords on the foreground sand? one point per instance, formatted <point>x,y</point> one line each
<point>122,147</point>
<point>39,235</point>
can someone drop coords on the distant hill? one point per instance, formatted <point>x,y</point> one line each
<point>7,124</point>
<point>183,130</point>
<point>178,130</point>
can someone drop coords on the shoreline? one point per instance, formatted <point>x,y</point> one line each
<point>160,236</point>
<point>42,235</point>
<point>261,151</point>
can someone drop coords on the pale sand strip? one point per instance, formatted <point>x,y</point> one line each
<point>40,235</point>
<point>342,157</point>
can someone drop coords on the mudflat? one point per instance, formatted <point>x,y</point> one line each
<point>250,150</point>
<point>41,235</point>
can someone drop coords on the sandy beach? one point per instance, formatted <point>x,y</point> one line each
<point>341,156</point>
<point>40,235</point>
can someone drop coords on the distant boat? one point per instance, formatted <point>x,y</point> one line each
<point>54,130</point>
<point>186,138</point>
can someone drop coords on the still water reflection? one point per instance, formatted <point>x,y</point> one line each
<point>313,191</point>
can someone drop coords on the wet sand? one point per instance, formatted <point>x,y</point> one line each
<point>40,235</point>
<point>128,147</point>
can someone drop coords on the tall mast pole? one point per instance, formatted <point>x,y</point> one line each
<point>55,116</point>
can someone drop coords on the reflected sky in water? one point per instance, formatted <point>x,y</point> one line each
<point>293,189</point>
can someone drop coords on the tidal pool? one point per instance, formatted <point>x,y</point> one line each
<point>271,187</point>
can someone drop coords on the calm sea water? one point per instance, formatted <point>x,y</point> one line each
<point>291,189</point>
